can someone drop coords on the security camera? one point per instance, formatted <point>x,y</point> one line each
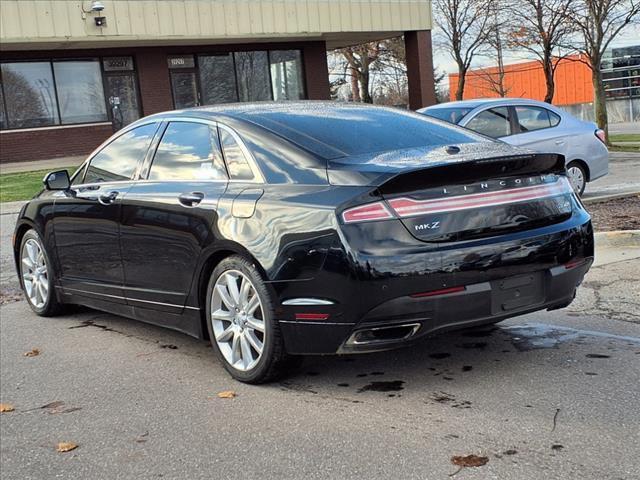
<point>97,6</point>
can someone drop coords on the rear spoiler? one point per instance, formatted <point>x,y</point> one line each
<point>472,171</point>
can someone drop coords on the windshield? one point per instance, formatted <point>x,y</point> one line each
<point>451,115</point>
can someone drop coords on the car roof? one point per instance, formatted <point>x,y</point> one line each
<point>483,102</point>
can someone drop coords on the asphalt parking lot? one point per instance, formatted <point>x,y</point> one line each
<point>551,395</point>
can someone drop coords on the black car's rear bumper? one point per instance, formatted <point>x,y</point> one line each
<point>406,319</point>
<point>475,285</point>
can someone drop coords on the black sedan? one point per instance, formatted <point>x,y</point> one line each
<point>276,230</point>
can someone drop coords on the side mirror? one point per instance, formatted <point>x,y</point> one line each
<point>57,180</point>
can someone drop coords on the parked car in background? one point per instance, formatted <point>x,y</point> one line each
<point>304,228</point>
<point>535,125</point>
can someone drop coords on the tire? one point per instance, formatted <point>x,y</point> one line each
<point>577,177</point>
<point>235,317</point>
<point>37,276</point>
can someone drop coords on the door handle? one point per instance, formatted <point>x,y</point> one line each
<point>191,199</point>
<point>559,142</point>
<point>108,198</point>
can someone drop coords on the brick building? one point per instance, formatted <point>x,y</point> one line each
<point>72,71</point>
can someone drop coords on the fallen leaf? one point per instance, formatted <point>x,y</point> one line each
<point>66,447</point>
<point>227,394</point>
<point>5,407</point>
<point>469,461</point>
<point>34,352</point>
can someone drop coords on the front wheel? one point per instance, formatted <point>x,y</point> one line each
<point>37,276</point>
<point>577,177</point>
<point>241,323</point>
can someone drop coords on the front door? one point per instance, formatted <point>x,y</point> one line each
<point>167,220</point>
<point>86,219</point>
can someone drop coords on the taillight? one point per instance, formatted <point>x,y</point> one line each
<point>408,207</point>
<point>601,136</point>
<point>366,213</point>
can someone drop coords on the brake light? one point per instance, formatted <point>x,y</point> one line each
<point>601,136</point>
<point>366,213</point>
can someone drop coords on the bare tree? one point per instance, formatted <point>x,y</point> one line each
<point>600,21</point>
<point>464,28</point>
<point>360,60</point>
<point>544,28</point>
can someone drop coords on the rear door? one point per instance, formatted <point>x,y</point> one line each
<point>167,218</point>
<point>86,220</point>
<point>537,129</point>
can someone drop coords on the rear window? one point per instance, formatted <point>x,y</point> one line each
<point>451,115</point>
<point>346,131</point>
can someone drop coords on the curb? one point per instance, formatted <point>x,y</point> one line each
<point>612,196</point>
<point>618,238</point>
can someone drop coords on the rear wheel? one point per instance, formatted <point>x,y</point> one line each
<point>37,276</point>
<point>577,177</point>
<point>241,323</point>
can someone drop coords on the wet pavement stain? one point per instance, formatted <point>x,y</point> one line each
<point>361,375</point>
<point>467,368</point>
<point>472,345</point>
<point>439,356</point>
<point>557,447</point>
<point>590,373</point>
<point>343,384</point>
<point>391,386</point>
<point>597,355</point>
<point>479,333</point>
<point>376,373</point>
<point>90,323</point>
<point>169,346</point>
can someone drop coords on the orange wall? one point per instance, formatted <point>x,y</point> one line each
<point>572,82</point>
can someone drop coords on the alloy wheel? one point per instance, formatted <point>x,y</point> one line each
<point>34,273</point>
<point>237,320</point>
<point>576,179</point>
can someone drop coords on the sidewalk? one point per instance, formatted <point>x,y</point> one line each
<point>49,164</point>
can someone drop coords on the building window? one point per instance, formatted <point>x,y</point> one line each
<point>218,79</point>
<point>29,95</point>
<point>68,92</point>
<point>80,91</point>
<point>252,71</point>
<point>286,75</point>
<point>236,77</point>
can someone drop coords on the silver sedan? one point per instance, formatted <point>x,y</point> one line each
<point>537,126</point>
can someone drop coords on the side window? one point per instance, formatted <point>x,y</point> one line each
<point>239,168</point>
<point>119,159</point>
<point>188,151</point>
<point>533,118</point>
<point>492,123</point>
<point>555,119</point>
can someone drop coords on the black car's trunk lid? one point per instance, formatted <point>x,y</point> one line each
<point>479,198</point>
<point>443,196</point>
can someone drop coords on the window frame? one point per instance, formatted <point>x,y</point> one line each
<point>166,122</point>
<point>470,117</point>
<point>137,171</point>
<point>103,74</point>
<point>148,161</point>
<point>516,119</point>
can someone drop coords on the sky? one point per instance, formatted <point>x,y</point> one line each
<point>443,62</point>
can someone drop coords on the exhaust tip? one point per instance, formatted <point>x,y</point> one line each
<point>391,333</point>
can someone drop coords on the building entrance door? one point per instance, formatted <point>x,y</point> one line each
<point>184,86</point>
